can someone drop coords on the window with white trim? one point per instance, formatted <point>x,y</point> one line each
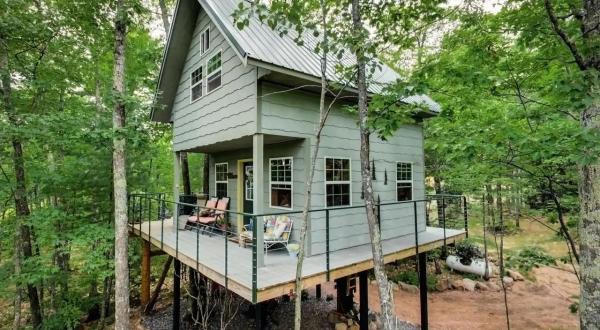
<point>213,72</point>
<point>196,84</point>
<point>337,182</point>
<point>221,170</point>
<point>281,177</point>
<point>404,182</point>
<point>205,41</point>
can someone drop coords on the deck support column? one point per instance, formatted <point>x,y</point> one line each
<point>344,300</point>
<point>176,293</point>
<point>145,283</point>
<point>318,291</point>
<point>423,290</point>
<point>258,316</point>
<point>363,286</point>
<point>258,164</point>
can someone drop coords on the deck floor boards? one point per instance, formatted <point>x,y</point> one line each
<point>279,268</point>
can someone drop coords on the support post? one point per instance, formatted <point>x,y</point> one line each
<point>258,203</point>
<point>176,180</point>
<point>258,316</point>
<point>176,294</point>
<point>363,286</point>
<point>423,290</point>
<point>344,300</point>
<point>318,291</point>
<point>145,283</point>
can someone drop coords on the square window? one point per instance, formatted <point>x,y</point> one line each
<point>196,84</point>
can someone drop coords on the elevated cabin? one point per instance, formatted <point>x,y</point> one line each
<point>249,100</point>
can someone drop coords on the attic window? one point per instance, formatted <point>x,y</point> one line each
<point>213,73</point>
<point>196,84</point>
<point>205,41</point>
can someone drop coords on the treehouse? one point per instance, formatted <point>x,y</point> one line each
<point>249,100</point>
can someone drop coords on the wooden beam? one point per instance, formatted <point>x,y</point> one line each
<point>150,306</point>
<point>155,253</point>
<point>145,283</point>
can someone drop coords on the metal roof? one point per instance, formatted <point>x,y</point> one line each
<point>261,45</point>
<point>259,42</point>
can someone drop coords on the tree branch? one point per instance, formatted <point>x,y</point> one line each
<point>563,36</point>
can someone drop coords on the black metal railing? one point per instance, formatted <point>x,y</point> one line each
<point>451,212</point>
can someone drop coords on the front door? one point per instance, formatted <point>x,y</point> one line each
<point>248,188</point>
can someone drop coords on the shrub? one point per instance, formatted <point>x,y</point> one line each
<point>412,277</point>
<point>528,258</point>
<point>466,251</point>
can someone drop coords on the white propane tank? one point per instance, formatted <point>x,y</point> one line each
<point>476,267</point>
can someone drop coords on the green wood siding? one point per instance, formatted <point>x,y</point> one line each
<point>226,113</point>
<point>295,113</point>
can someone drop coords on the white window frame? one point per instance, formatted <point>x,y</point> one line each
<point>337,182</point>
<point>222,181</point>
<point>202,39</point>
<point>246,189</point>
<point>291,183</point>
<point>220,69</point>
<point>411,181</point>
<point>201,82</point>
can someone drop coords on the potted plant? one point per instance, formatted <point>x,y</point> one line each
<point>293,249</point>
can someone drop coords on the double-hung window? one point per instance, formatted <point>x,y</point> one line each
<point>337,182</point>
<point>205,41</point>
<point>196,84</point>
<point>281,170</point>
<point>213,72</point>
<point>404,182</point>
<point>221,170</point>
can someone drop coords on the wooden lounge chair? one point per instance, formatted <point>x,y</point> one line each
<point>277,230</point>
<point>208,221</point>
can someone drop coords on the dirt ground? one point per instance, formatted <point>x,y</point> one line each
<point>543,304</point>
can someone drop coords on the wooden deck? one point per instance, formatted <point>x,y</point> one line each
<point>276,278</point>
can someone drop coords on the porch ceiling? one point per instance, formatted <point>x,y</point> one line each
<point>243,142</point>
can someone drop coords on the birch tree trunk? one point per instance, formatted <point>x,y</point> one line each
<point>386,299</point>
<point>323,114</point>
<point>119,175</point>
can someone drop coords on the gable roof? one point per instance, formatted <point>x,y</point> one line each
<point>257,44</point>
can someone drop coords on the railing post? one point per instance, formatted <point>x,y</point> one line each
<point>176,224</point>
<point>444,249</point>
<point>162,227</point>
<point>140,213</point>
<point>149,218</point>
<point>466,215</point>
<point>226,254</point>
<point>254,259</point>
<point>327,242</point>
<point>197,239</point>
<point>416,228</point>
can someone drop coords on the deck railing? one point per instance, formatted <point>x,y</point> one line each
<point>451,213</point>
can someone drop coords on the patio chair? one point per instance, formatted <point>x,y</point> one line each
<point>209,219</point>
<point>277,230</point>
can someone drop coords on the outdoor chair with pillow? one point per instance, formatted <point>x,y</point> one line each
<point>209,220</point>
<point>277,230</point>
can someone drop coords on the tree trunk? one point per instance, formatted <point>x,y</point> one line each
<point>19,292</point>
<point>20,192</point>
<point>119,174</point>
<point>323,114</point>
<point>164,14</point>
<point>206,175</point>
<point>589,225</point>
<point>386,299</point>
<point>185,173</point>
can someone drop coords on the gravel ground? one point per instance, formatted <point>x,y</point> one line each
<point>280,315</point>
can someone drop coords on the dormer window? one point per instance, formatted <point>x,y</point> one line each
<point>205,41</point>
<point>196,84</point>
<point>213,73</point>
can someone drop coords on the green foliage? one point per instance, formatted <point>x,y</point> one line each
<point>528,258</point>
<point>466,251</point>
<point>412,277</point>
